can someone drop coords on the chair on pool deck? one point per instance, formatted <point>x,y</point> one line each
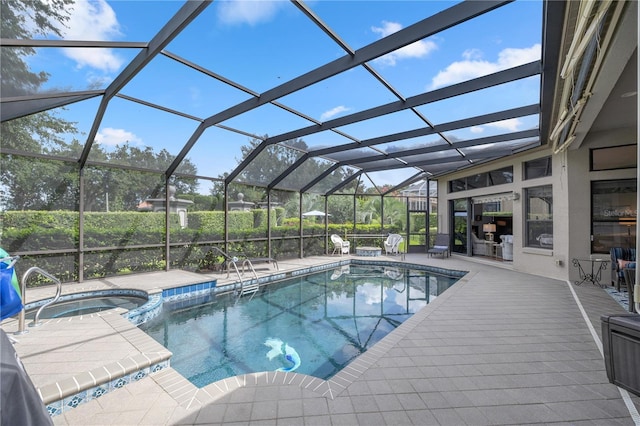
<point>340,245</point>
<point>392,244</point>
<point>440,246</point>
<point>245,262</point>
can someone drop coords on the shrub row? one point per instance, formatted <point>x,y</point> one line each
<point>30,231</point>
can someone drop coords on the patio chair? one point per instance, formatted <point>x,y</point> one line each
<point>340,245</point>
<point>440,246</point>
<point>630,280</point>
<point>479,246</point>
<point>621,257</point>
<point>392,244</point>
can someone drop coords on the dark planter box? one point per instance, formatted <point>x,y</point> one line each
<point>621,345</point>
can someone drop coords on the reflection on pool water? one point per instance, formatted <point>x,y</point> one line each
<point>326,319</point>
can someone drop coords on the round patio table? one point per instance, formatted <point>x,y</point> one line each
<point>594,275</point>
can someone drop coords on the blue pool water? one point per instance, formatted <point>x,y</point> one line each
<point>321,321</point>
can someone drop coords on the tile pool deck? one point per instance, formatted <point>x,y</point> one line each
<point>499,347</point>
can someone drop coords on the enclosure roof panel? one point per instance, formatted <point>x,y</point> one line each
<point>293,95</point>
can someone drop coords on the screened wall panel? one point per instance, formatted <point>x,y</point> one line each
<point>285,229</point>
<point>39,204</point>
<point>124,208</point>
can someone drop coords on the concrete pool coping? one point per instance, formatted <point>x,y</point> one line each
<point>62,349</point>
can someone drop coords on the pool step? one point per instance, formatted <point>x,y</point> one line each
<point>249,288</point>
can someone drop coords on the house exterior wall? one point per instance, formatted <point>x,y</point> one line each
<point>571,181</point>
<point>580,178</point>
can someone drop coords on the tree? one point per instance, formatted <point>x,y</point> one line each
<point>29,183</point>
<point>341,208</point>
<point>368,208</point>
<point>271,163</point>
<point>46,184</point>
<point>24,19</point>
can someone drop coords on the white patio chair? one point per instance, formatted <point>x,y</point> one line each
<point>392,244</point>
<point>340,245</point>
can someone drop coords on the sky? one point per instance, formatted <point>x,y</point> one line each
<point>262,44</point>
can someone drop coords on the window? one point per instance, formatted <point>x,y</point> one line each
<point>482,180</point>
<point>457,185</point>
<point>613,214</point>
<point>538,168</point>
<point>617,157</point>
<point>539,217</point>
<point>500,176</point>
<point>477,181</point>
<point>459,223</point>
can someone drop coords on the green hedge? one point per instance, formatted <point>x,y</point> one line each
<point>191,247</point>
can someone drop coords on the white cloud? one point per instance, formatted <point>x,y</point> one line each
<point>473,66</point>
<point>472,54</point>
<point>370,293</point>
<point>113,137</point>
<point>249,12</point>
<point>93,20</point>
<point>387,28</point>
<point>333,112</point>
<point>512,124</point>
<point>418,49</point>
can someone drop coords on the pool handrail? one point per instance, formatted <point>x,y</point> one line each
<point>253,288</point>
<point>36,319</point>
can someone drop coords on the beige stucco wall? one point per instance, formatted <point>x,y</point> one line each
<point>580,178</point>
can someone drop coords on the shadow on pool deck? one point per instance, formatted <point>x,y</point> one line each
<point>499,347</point>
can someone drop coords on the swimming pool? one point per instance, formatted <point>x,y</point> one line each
<point>314,324</point>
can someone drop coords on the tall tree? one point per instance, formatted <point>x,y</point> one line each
<point>24,19</point>
<point>275,159</point>
<point>29,183</point>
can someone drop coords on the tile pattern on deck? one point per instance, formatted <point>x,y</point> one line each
<point>499,347</point>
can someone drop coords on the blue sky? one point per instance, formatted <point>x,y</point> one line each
<point>260,44</point>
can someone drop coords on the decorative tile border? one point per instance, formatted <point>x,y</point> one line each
<point>182,297</point>
<point>72,401</point>
<point>333,265</point>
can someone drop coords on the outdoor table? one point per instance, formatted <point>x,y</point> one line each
<point>593,274</point>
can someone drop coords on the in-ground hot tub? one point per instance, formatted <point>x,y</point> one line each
<point>368,251</point>
<point>86,303</point>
